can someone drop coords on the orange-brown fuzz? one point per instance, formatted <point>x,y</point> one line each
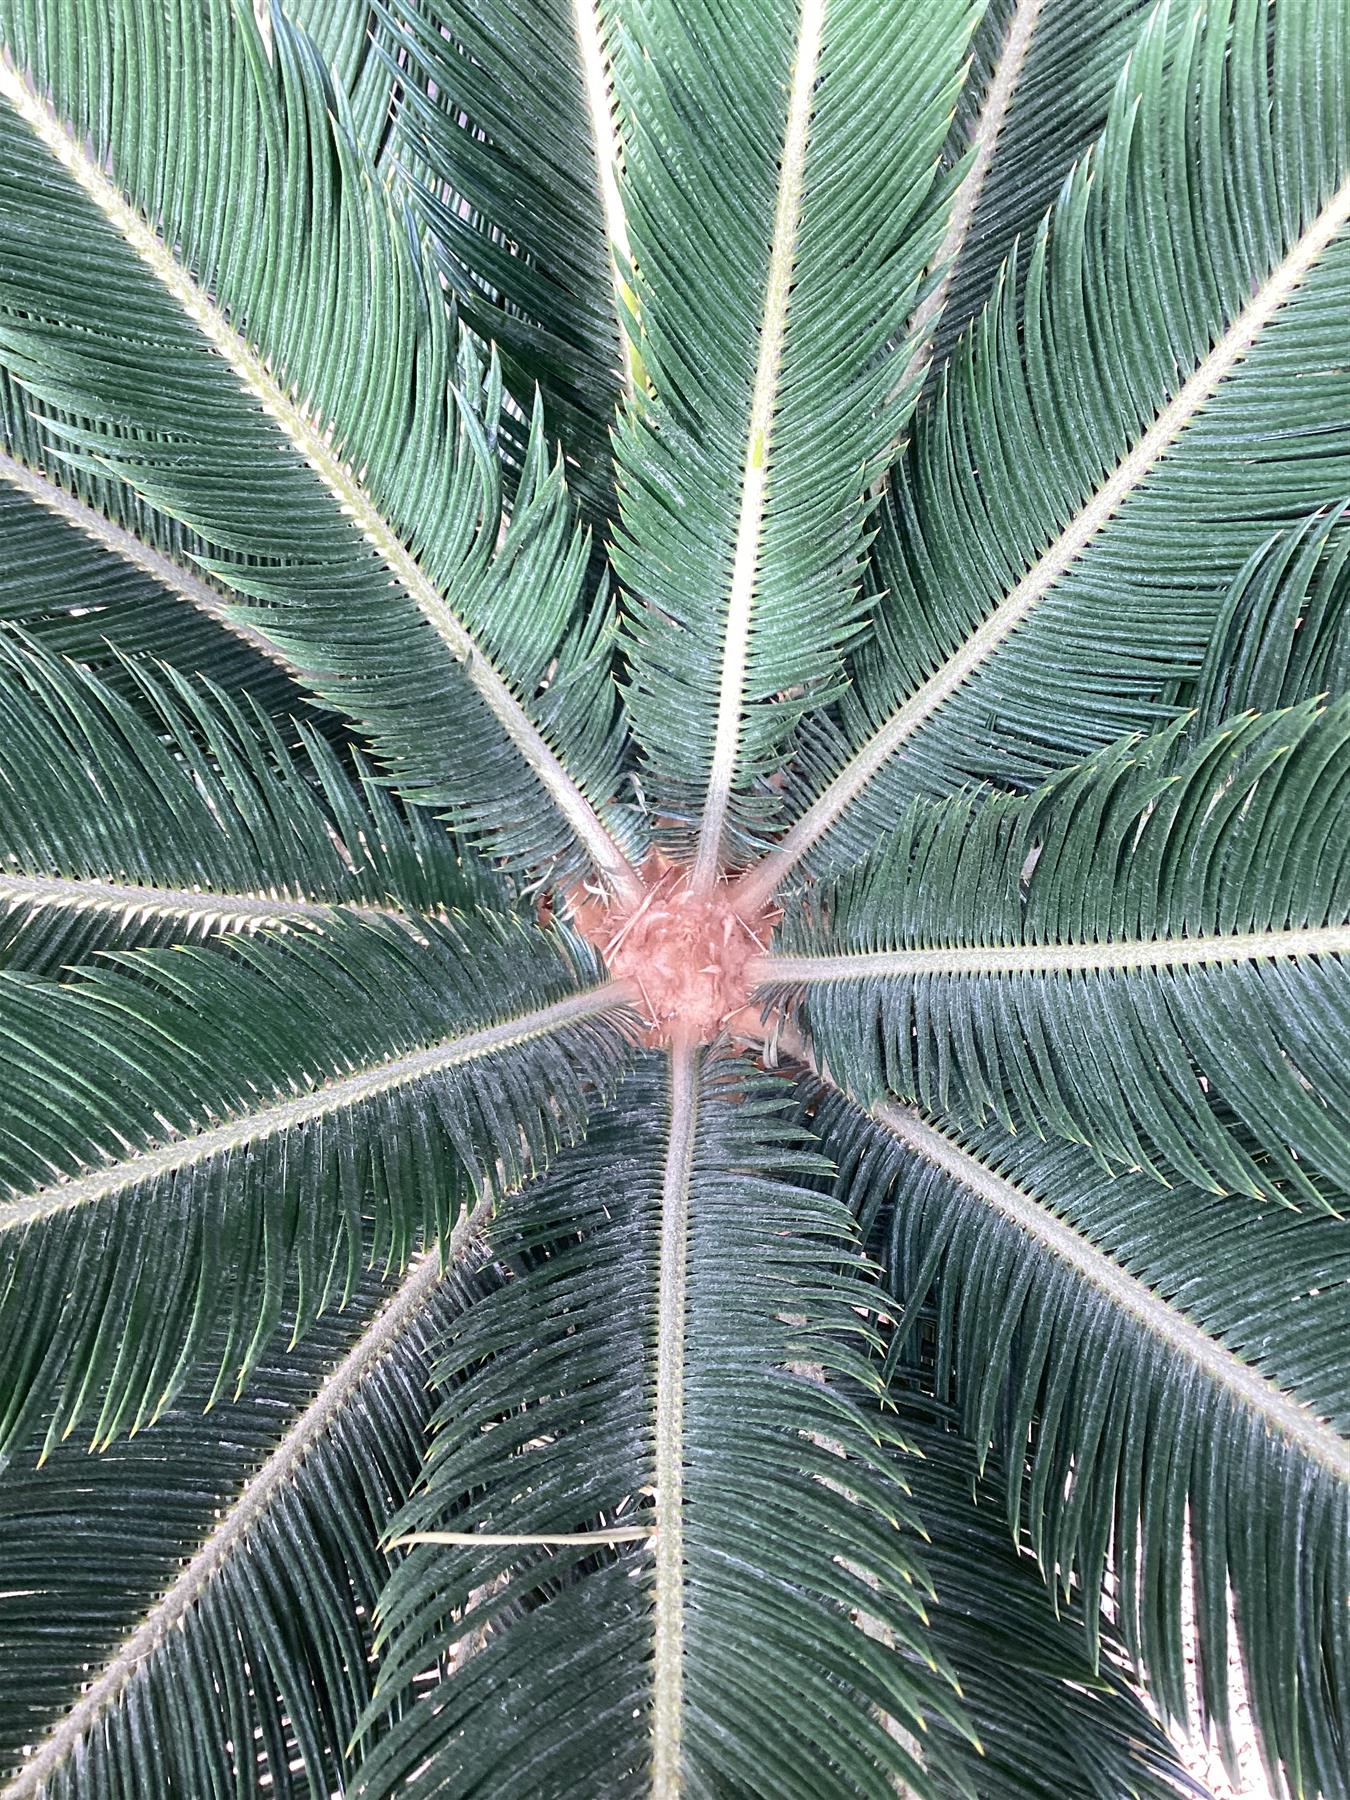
<point>685,955</point>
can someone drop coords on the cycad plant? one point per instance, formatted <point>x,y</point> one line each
<point>674,772</point>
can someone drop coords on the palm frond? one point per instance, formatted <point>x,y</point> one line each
<point>1050,1718</point>
<point>662,1518</point>
<point>777,257</point>
<point>256,1525</point>
<point>350,36</point>
<point>409,1387</point>
<point>260,1518</point>
<point>1148,957</point>
<point>506,129</point>
<point>89,570</point>
<point>1105,455</point>
<point>1283,634</point>
<point>180,1133</point>
<point>125,825</point>
<point>1034,101</point>
<point>1166,1360</point>
<point>305,411</point>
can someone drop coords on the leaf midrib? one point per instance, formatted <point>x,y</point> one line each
<point>1179,1335</point>
<point>250,1505</point>
<point>313,444</point>
<point>605,148</point>
<point>672,1304</point>
<point>184,584</point>
<point>93,894</point>
<point>830,806</point>
<point>1043,959</point>
<point>998,101</point>
<point>743,588</point>
<point>340,1094</point>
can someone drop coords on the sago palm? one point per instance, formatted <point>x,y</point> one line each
<point>674,772</point>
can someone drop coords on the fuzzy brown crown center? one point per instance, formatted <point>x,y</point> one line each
<point>685,955</point>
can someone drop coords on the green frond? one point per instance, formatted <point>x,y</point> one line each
<point>1167,1361</point>
<point>318,1452</point>
<point>778,246</point>
<point>125,825</point>
<point>1051,1720</point>
<point>91,572</point>
<point>307,412</point>
<point>408,1387</point>
<point>349,35</point>
<point>1147,957</point>
<point>1283,634</point>
<point>505,127</point>
<point>182,1132</point>
<point>257,1526</point>
<point>1118,435</point>
<point>671,1347</point>
<point>1035,99</point>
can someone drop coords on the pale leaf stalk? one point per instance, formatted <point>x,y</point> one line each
<point>1178,1335</point>
<point>313,444</point>
<point>231,1530</point>
<point>289,1115</point>
<point>128,899</point>
<point>184,584</point>
<point>993,116</point>
<point>759,883</point>
<point>596,85</point>
<point>673,1301</point>
<point>743,591</point>
<point>1052,959</point>
<point>609,1534</point>
<point>1182,1341</point>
